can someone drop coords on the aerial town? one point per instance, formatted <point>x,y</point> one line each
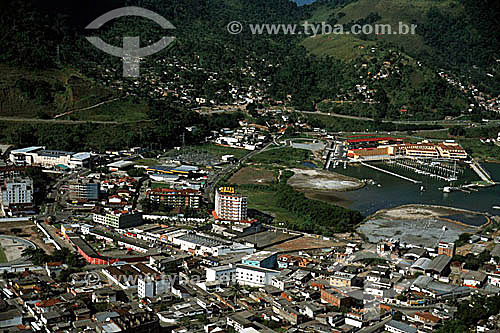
<point>250,166</point>
<point>122,241</point>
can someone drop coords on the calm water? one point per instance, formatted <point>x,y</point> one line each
<point>303,2</point>
<point>395,192</point>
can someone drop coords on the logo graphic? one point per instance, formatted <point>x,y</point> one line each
<point>92,278</point>
<point>131,52</point>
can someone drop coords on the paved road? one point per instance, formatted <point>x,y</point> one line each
<point>405,122</point>
<point>214,178</point>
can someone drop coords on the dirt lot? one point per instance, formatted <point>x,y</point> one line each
<point>305,243</point>
<point>28,228</point>
<point>267,238</point>
<point>252,176</point>
<point>418,224</point>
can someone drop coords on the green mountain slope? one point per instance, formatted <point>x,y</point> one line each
<point>458,35</point>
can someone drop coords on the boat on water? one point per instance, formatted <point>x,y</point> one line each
<point>496,207</point>
<point>422,188</point>
<point>447,189</point>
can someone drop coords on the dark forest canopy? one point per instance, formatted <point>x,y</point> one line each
<point>39,34</point>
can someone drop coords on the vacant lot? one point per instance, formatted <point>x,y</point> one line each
<point>319,180</point>
<point>252,176</point>
<point>267,238</point>
<point>29,232</point>
<point>265,201</point>
<point>305,243</point>
<point>284,156</point>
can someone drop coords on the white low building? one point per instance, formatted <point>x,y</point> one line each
<point>255,276</point>
<point>222,274</point>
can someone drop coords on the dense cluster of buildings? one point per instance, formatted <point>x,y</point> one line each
<point>248,136</point>
<point>344,288</point>
<point>386,147</point>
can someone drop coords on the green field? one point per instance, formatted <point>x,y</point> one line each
<point>265,201</point>
<point>441,134</point>
<point>147,161</point>
<point>3,257</point>
<point>391,12</point>
<point>120,110</point>
<point>481,151</point>
<point>344,47</point>
<point>283,156</point>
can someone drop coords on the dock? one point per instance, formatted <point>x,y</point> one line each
<point>390,173</point>
<point>483,174</point>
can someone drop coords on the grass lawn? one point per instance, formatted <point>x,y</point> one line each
<point>441,134</point>
<point>285,156</point>
<point>343,47</point>
<point>266,202</point>
<point>160,185</point>
<point>147,161</point>
<point>480,150</point>
<point>120,110</point>
<point>3,257</point>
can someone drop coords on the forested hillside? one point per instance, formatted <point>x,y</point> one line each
<point>48,67</point>
<point>458,35</point>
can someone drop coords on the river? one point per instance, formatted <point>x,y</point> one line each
<point>395,192</point>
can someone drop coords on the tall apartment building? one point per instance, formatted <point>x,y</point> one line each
<point>82,190</point>
<point>186,198</point>
<point>229,205</point>
<point>17,193</point>
<point>118,220</point>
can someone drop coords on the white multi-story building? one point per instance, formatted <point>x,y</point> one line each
<point>152,286</point>
<point>230,206</point>
<point>255,276</point>
<point>17,192</point>
<point>118,219</point>
<point>222,274</point>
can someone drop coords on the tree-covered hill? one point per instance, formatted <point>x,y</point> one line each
<point>206,62</point>
<point>458,35</point>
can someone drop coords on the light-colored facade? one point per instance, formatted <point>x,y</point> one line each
<point>230,206</point>
<point>342,279</point>
<point>255,276</point>
<point>39,156</point>
<point>223,274</point>
<point>17,191</point>
<point>203,245</point>
<point>118,220</point>
<point>149,286</point>
<point>265,259</point>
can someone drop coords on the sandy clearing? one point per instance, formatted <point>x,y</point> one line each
<point>319,180</point>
